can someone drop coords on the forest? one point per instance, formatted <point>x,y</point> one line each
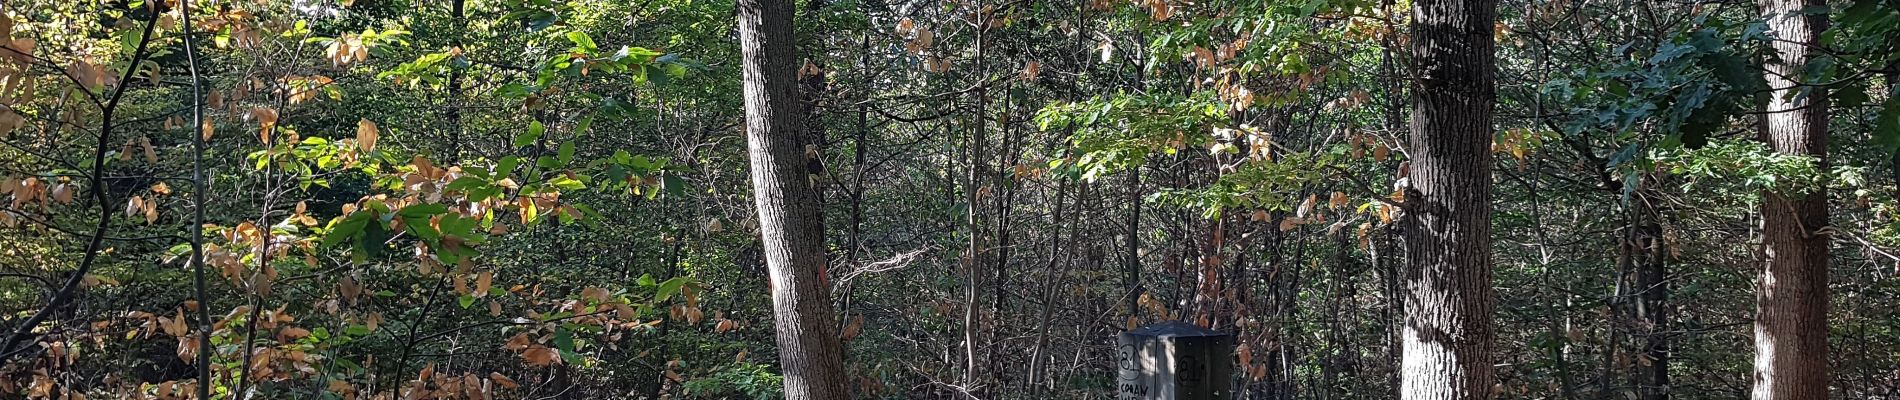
<point>947,199</point>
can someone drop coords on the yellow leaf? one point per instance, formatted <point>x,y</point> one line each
<point>162,188</point>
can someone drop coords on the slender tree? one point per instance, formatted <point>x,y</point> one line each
<point>1791,290</point>
<point>810,352</point>
<point>1447,222</point>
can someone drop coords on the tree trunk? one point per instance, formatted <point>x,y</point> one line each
<point>973,256</point>
<point>1447,222</point>
<point>810,353</point>
<point>1652,309</point>
<point>1791,292</point>
<point>458,10</point>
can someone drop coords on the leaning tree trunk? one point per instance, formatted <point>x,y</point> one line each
<point>810,353</point>
<point>1791,292</point>
<point>1447,222</point>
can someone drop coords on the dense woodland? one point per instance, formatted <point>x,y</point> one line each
<point>947,199</point>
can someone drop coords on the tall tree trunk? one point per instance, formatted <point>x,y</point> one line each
<point>1652,307</point>
<point>810,353</point>
<point>1791,292</point>
<point>1131,256</point>
<point>1447,222</point>
<point>459,11</point>
<point>974,191</point>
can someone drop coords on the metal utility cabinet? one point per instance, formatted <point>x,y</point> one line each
<point>1174,360</point>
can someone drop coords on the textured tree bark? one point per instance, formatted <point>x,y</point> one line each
<point>1652,283</point>
<point>1447,222</point>
<point>1791,291</point>
<point>810,352</point>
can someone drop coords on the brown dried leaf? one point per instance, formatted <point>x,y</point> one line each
<point>366,135</point>
<point>856,327</point>
<point>502,380</point>
<point>483,282</point>
<point>266,118</point>
<point>540,356</point>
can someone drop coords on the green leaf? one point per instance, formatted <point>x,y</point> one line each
<point>674,185</point>
<point>581,127</point>
<point>566,153</point>
<point>465,301</point>
<point>350,227</point>
<point>535,129</point>
<point>422,229</point>
<point>1850,96</point>
<point>669,288</point>
<point>582,41</point>
<point>422,210</point>
<point>564,340</point>
<point>565,183</point>
<point>514,91</point>
<point>1887,125</point>
<point>507,165</point>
